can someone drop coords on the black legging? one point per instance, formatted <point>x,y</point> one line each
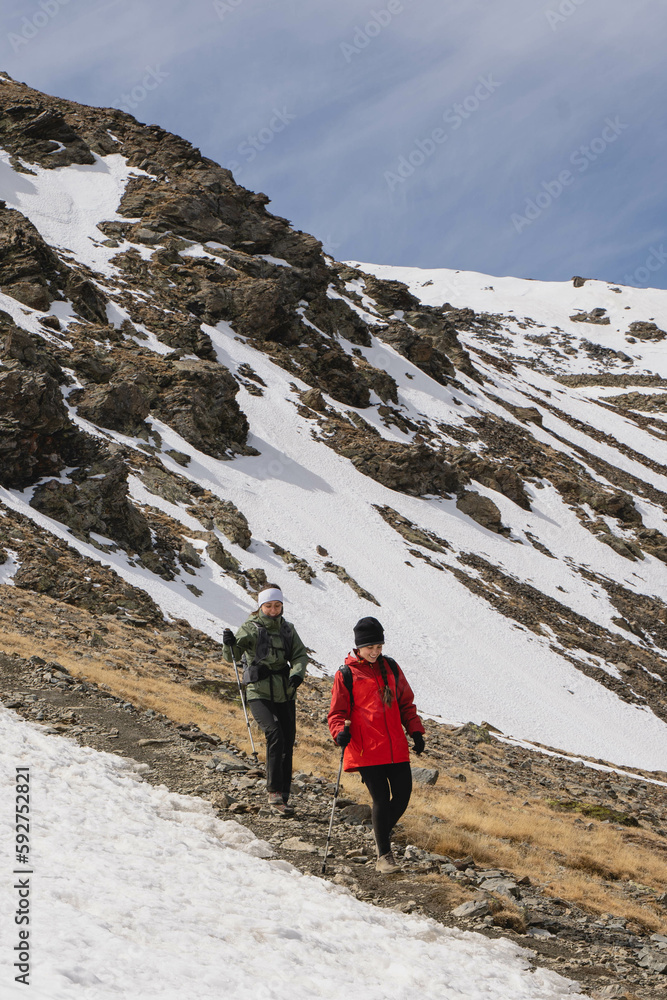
<point>390,786</point>
<point>277,719</point>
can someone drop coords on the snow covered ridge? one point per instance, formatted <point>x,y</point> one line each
<point>455,454</point>
<point>179,895</point>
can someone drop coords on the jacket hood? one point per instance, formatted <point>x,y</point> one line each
<point>352,660</point>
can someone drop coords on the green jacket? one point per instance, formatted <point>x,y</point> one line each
<point>277,686</point>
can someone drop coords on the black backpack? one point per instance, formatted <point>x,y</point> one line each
<point>256,670</point>
<point>346,671</point>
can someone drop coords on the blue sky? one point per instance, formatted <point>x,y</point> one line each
<point>503,136</point>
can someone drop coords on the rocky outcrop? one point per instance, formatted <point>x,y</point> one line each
<point>594,316</point>
<point>197,399</point>
<point>412,532</point>
<point>420,350</point>
<point>34,132</point>
<point>645,331</point>
<point>120,406</point>
<point>30,271</point>
<point>37,437</point>
<point>99,503</point>
<point>409,468</point>
<point>31,351</point>
<point>297,565</point>
<point>344,577</point>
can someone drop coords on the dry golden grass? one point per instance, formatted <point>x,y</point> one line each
<point>586,867</point>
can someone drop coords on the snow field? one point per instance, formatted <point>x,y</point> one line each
<point>140,893</point>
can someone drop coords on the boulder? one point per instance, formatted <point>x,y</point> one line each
<point>120,406</point>
<point>425,775</point>
<point>481,509</point>
<point>502,886</point>
<point>355,814</point>
<point>473,908</point>
<point>88,301</point>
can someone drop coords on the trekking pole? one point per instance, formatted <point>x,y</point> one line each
<point>245,711</point>
<point>333,806</point>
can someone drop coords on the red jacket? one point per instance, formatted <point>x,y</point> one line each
<point>377,730</point>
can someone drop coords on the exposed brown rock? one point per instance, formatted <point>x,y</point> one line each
<point>120,406</point>
<point>481,509</point>
<point>36,434</point>
<point>96,504</point>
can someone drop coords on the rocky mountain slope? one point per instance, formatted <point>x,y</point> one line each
<point>195,399</point>
<point>194,395</point>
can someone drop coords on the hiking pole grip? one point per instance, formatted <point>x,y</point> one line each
<point>346,728</point>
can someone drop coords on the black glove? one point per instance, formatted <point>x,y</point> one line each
<point>295,681</point>
<point>418,742</point>
<point>228,638</point>
<point>343,738</point>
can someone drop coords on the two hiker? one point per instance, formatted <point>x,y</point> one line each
<point>370,690</point>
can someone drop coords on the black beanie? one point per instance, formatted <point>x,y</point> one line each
<point>368,632</point>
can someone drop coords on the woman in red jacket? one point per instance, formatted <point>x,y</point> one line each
<point>371,691</point>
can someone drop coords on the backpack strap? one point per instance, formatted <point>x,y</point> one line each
<point>346,673</point>
<point>394,667</point>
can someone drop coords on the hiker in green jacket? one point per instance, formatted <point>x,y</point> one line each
<point>275,662</point>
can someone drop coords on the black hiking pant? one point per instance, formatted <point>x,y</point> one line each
<point>277,720</point>
<point>390,786</point>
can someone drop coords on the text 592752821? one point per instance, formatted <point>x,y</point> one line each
<point>21,948</point>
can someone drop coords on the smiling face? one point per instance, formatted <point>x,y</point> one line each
<point>370,653</point>
<point>272,609</point>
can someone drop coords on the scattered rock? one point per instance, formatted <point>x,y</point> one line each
<point>296,844</point>
<point>473,908</point>
<point>425,775</point>
<point>355,814</point>
<point>594,316</point>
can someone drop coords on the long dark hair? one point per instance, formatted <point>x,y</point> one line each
<point>387,693</point>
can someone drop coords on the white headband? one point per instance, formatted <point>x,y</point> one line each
<point>270,594</point>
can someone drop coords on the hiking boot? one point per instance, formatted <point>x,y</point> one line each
<point>276,804</point>
<point>386,865</point>
<point>289,810</point>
